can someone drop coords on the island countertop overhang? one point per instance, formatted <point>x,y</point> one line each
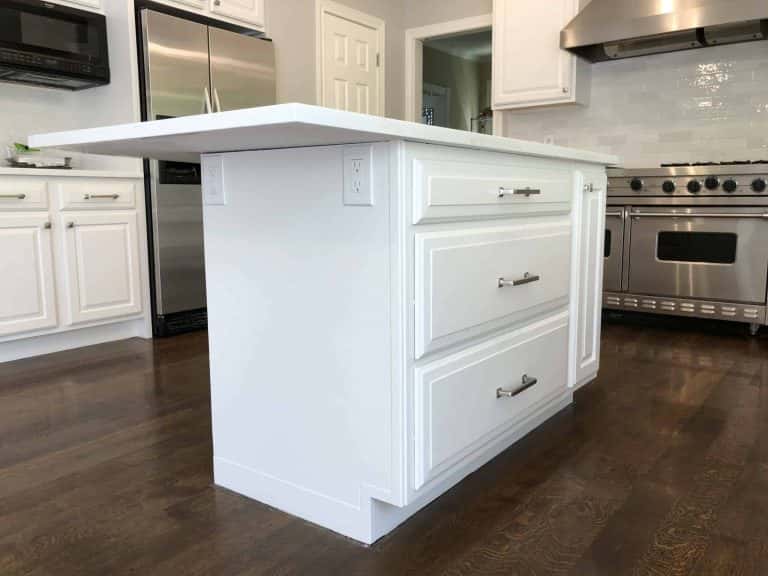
<point>283,126</point>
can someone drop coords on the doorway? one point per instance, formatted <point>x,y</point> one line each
<point>449,74</point>
<point>350,59</point>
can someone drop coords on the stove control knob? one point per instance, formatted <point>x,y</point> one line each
<point>730,185</point>
<point>712,183</point>
<point>668,186</point>
<point>694,186</point>
<point>758,185</point>
<point>636,184</point>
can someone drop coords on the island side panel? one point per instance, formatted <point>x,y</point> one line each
<point>299,325</point>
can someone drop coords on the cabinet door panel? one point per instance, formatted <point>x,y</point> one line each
<point>27,297</point>
<point>588,283</point>
<point>251,11</point>
<point>530,68</point>
<point>102,261</point>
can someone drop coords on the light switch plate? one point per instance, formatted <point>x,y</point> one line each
<point>358,175</point>
<point>213,180</point>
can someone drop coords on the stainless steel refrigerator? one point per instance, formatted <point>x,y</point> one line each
<point>190,68</point>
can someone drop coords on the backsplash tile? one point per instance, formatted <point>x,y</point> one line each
<point>699,105</point>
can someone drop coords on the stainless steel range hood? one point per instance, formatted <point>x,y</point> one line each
<point>612,29</point>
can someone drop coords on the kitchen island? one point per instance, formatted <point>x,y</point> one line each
<point>390,305</point>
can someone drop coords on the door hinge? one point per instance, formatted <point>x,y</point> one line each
<point>378,60</point>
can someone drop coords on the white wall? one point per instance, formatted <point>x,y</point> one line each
<point>426,12</point>
<point>26,110</point>
<point>699,105</point>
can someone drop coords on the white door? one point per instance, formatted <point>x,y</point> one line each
<point>351,75</point>
<point>530,68</point>
<point>251,11</point>
<point>27,296</point>
<point>587,274</point>
<point>102,265</point>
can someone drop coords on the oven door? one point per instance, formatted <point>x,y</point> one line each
<point>707,253</point>
<point>614,248</point>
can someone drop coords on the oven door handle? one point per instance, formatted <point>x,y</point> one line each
<point>616,213</point>
<point>761,215</point>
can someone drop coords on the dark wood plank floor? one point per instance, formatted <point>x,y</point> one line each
<point>660,468</point>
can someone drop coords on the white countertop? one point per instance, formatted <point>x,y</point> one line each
<point>282,126</point>
<point>48,172</point>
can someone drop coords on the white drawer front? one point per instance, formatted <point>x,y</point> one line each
<point>97,194</point>
<point>458,273</point>
<point>23,194</point>
<point>475,185</point>
<point>457,406</point>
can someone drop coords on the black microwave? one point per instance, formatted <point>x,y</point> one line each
<point>52,45</point>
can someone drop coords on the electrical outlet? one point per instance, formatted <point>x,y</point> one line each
<point>213,180</point>
<point>358,175</point>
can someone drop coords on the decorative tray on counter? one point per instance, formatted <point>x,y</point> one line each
<point>22,156</point>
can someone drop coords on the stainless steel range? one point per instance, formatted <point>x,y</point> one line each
<point>689,240</point>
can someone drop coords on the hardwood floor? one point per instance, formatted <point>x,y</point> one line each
<point>660,468</point>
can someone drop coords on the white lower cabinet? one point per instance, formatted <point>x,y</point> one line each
<point>465,400</point>
<point>102,265</point>
<point>27,295</point>
<point>587,275</point>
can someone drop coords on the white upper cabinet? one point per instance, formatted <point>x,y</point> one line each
<point>250,11</point>
<point>529,67</point>
<point>102,265</point>
<point>27,296</point>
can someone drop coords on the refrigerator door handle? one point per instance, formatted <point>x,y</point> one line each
<point>216,101</point>
<point>206,100</point>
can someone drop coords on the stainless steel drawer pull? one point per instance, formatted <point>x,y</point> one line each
<point>101,196</point>
<point>14,196</point>
<point>526,279</point>
<point>527,382</point>
<point>503,192</point>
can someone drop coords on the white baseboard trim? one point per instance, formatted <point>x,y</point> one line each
<point>67,340</point>
<point>373,518</point>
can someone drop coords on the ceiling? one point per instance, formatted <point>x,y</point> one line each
<point>472,46</point>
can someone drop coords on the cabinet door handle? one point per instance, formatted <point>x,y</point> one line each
<point>101,196</point>
<point>47,226</point>
<point>527,278</point>
<point>217,2</point>
<point>527,382</point>
<point>14,196</point>
<point>591,188</point>
<point>504,192</point>
<point>70,224</point>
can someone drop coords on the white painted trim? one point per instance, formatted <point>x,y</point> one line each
<point>414,41</point>
<point>37,345</point>
<point>323,7</point>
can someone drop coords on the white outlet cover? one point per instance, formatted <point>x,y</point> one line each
<point>358,175</point>
<point>213,180</point>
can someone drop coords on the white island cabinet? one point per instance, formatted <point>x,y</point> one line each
<point>390,305</point>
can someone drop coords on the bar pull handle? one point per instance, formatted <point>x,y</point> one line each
<point>504,192</point>
<point>206,100</point>
<point>216,101</point>
<point>14,196</point>
<point>527,382</point>
<point>101,196</point>
<point>527,278</point>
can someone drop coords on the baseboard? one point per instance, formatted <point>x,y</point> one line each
<point>67,340</point>
<point>372,518</point>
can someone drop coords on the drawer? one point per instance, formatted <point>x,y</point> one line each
<point>474,185</point>
<point>459,407</point>
<point>96,194</point>
<point>469,282</point>
<point>23,194</point>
